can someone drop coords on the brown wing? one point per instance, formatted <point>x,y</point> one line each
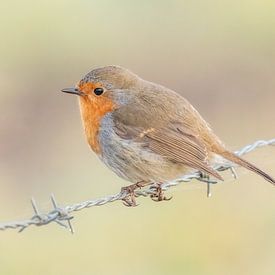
<point>178,146</point>
<point>168,124</point>
<point>174,143</point>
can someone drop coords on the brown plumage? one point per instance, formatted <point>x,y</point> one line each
<point>145,132</point>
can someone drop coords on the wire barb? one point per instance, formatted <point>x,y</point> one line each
<point>61,215</point>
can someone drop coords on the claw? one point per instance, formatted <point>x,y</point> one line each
<point>130,198</point>
<point>158,195</point>
<point>157,199</point>
<point>129,202</point>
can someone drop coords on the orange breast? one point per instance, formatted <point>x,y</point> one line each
<point>93,109</point>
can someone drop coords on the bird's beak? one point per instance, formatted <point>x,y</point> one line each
<point>72,91</point>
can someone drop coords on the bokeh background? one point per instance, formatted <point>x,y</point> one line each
<point>218,54</point>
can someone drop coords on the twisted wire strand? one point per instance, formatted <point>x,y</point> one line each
<point>62,215</point>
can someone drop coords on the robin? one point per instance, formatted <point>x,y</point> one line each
<point>147,133</point>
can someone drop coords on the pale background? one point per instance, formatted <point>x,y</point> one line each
<point>218,54</point>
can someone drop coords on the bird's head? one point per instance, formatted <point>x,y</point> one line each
<point>101,91</point>
<point>104,85</point>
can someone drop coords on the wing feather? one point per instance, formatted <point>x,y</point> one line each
<point>185,149</point>
<point>178,145</point>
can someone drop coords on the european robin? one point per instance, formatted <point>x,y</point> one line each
<point>147,133</point>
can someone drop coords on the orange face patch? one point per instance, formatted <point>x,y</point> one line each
<point>88,88</point>
<point>93,108</point>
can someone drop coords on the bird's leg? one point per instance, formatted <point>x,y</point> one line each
<point>130,198</point>
<point>158,194</point>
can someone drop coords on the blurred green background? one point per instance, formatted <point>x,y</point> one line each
<point>218,54</point>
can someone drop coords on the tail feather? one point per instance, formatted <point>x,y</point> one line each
<point>240,161</point>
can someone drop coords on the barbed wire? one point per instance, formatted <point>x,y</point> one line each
<point>62,215</point>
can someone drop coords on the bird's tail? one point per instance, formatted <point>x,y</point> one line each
<point>240,161</point>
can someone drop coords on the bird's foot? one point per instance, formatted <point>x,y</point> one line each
<point>130,198</point>
<point>158,194</point>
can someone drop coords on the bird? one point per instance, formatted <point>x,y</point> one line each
<point>147,133</point>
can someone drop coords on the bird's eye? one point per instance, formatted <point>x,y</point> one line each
<point>98,91</point>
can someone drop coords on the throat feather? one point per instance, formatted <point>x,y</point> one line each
<point>92,112</point>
